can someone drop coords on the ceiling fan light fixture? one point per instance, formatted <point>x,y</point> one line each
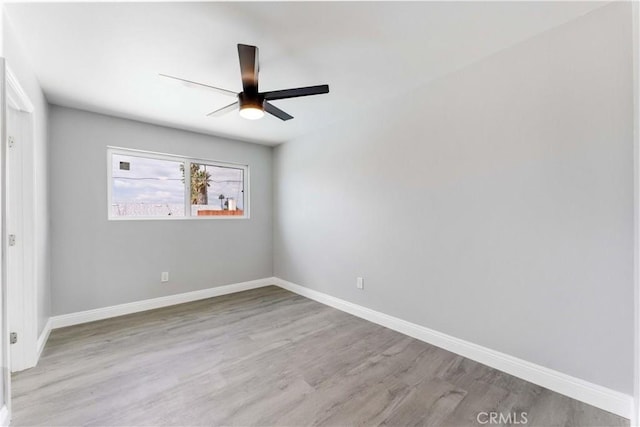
<point>251,112</point>
<point>251,107</point>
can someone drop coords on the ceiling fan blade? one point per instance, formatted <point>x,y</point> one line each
<point>224,110</point>
<point>273,110</point>
<point>294,93</point>
<point>249,67</point>
<point>190,83</point>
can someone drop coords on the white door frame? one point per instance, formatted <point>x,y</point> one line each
<point>4,330</point>
<point>13,96</point>
<point>25,314</point>
<point>635,415</point>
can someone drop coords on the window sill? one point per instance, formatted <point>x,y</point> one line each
<point>179,218</point>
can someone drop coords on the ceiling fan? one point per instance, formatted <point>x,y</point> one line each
<point>252,103</point>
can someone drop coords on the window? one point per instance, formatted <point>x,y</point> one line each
<point>216,190</point>
<point>147,185</point>
<point>144,187</point>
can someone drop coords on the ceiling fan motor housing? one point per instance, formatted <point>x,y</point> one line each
<point>251,101</point>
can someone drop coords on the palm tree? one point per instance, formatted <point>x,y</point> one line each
<point>200,181</point>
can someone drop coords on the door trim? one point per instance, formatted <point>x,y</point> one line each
<point>11,95</point>
<point>4,332</point>
<point>16,96</point>
<point>17,99</point>
<point>635,8</point>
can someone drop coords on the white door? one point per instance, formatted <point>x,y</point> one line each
<point>15,238</point>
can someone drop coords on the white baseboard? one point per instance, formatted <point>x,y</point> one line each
<point>584,391</point>
<point>4,416</point>
<point>70,319</point>
<point>42,339</point>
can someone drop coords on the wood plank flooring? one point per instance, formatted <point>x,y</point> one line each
<point>268,357</point>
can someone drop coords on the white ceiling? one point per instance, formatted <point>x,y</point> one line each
<point>105,57</point>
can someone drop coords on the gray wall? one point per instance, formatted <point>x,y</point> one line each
<point>99,263</point>
<point>494,205</point>
<point>37,227</point>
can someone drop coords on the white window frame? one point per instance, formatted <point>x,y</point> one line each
<point>186,161</point>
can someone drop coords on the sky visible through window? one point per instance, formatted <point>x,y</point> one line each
<point>148,187</point>
<point>147,181</point>
<point>225,182</point>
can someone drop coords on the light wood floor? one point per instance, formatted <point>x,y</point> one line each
<point>268,357</point>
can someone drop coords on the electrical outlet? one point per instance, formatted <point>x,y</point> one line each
<point>360,283</point>
<point>164,277</point>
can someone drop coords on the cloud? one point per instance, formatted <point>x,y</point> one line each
<point>160,181</point>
